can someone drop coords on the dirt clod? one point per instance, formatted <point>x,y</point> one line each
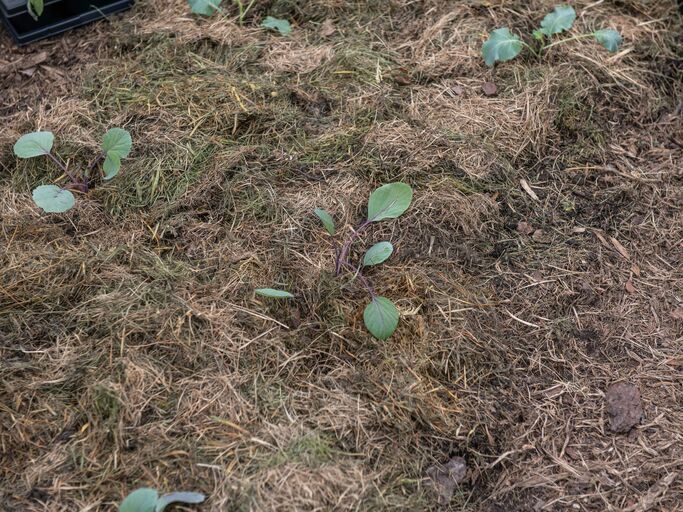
<point>624,407</point>
<point>446,478</point>
<point>489,88</point>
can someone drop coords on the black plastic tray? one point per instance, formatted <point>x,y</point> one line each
<point>58,16</point>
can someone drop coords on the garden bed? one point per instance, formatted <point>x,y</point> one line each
<point>538,264</point>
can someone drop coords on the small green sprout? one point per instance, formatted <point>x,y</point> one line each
<point>35,8</point>
<point>282,26</point>
<point>387,202</point>
<point>502,45</point>
<point>116,145</point>
<point>148,500</point>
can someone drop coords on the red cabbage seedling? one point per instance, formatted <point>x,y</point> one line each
<point>116,145</point>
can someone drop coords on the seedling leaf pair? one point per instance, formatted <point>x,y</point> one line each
<point>502,45</point>
<point>116,145</point>
<point>148,500</point>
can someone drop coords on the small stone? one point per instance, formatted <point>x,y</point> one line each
<point>624,407</point>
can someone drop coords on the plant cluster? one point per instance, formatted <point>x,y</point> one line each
<point>502,45</point>
<point>387,202</point>
<point>208,7</point>
<point>116,144</point>
<point>148,500</point>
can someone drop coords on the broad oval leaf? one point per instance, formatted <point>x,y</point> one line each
<point>561,19</point>
<point>281,26</point>
<point>117,141</point>
<point>502,45</point>
<point>273,293</point>
<point>179,497</point>
<point>610,39</point>
<point>53,199</point>
<point>326,219</point>
<point>140,500</point>
<point>34,144</point>
<point>389,201</point>
<point>378,253</point>
<point>204,7</point>
<point>111,166</point>
<point>381,317</point>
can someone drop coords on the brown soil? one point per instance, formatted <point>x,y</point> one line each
<point>540,263</point>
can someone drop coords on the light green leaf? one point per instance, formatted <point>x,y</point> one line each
<point>34,144</point>
<point>35,8</point>
<point>610,39</point>
<point>111,166</point>
<point>273,293</point>
<point>204,7</point>
<point>502,45</point>
<point>327,220</point>
<point>561,19</point>
<point>178,497</point>
<point>117,141</point>
<point>53,199</point>
<point>378,253</point>
<point>381,317</point>
<point>389,201</point>
<point>538,35</point>
<point>140,500</point>
<point>281,26</point>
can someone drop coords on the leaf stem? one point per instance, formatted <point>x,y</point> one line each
<point>366,284</point>
<point>64,168</point>
<point>561,41</point>
<point>343,254</point>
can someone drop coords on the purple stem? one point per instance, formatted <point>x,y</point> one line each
<point>363,280</point>
<point>64,168</point>
<point>342,257</point>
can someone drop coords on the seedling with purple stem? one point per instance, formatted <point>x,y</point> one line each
<point>116,145</point>
<point>502,45</point>
<point>387,202</point>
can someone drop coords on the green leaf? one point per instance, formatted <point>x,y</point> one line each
<point>608,38</point>
<point>204,7</point>
<point>381,317</point>
<point>502,45</point>
<point>538,35</point>
<point>53,199</point>
<point>117,141</point>
<point>140,500</point>
<point>389,201</point>
<point>378,253</point>
<point>34,144</point>
<point>273,293</point>
<point>178,497</point>
<point>111,166</point>
<point>35,8</point>
<point>561,19</point>
<point>326,218</point>
<point>281,26</point>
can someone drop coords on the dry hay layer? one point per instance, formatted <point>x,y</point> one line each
<point>540,261</point>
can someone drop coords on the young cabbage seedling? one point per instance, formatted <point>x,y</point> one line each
<point>387,202</point>
<point>148,500</point>
<point>208,7</point>
<point>116,145</point>
<point>502,45</point>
